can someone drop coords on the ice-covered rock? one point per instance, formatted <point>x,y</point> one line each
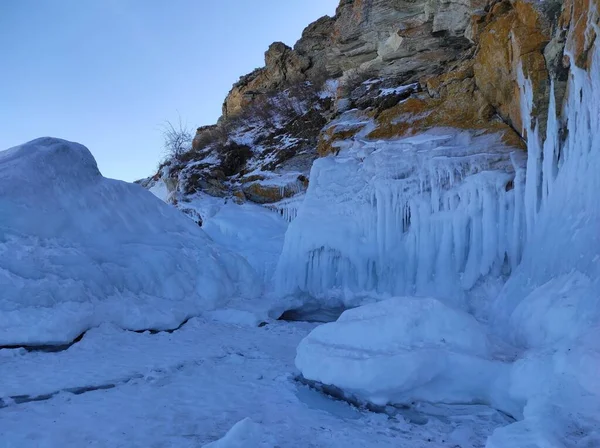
<point>551,304</point>
<point>406,349</point>
<point>549,309</point>
<point>77,250</point>
<point>430,214</point>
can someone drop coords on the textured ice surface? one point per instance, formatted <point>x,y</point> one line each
<point>408,349</point>
<point>429,215</point>
<point>189,388</point>
<point>550,306</point>
<point>252,231</point>
<point>77,250</point>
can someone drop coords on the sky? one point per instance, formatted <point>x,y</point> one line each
<point>109,73</point>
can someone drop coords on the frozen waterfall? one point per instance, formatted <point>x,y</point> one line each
<point>429,214</point>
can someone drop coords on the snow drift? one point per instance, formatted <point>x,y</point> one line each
<point>77,250</point>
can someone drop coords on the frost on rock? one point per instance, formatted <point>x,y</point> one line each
<point>408,349</point>
<point>78,250</point>
<point>427,215</point>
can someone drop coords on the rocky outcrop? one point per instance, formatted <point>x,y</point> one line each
<point>512,38</point>
<point>408,41</point>
<point>389,38</point>
<point>283,67</point>
<point>265,193</point>
<point>385,38</point>
<point>383,69</point>
<point>576,16</point>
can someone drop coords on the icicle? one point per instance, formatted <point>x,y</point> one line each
<point>550,158</point>
<point>534,152</point>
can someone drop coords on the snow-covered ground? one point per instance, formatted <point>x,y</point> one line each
<point>116,388</point>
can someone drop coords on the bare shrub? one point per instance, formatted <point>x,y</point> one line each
<point>177,139</point>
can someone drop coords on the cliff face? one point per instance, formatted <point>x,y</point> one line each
<point>400,67</point>
<point>379,38</point>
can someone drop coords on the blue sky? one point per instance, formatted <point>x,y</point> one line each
<point>108,73</point>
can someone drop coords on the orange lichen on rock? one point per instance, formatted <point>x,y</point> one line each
<point>269,194</point>
<point>451,100</point>
<point>514,37</point>
<point>577,15</point>
<point>334,134</point>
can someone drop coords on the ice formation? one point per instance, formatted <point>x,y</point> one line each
<point>288,208</point>
<point>77,250</point>
<point>250,230</point>
<point>550,306</point>
<point>547,314</point>
<point>403,350</point>
<point>429,215</point>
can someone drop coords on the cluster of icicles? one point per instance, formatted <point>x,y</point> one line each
<point>434,223</point>
<point>288,208</point>
<point>444,224</point>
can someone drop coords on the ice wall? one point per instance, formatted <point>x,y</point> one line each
<point>550,307</point>
<point>430,215</point>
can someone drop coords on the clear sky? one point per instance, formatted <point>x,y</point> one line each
<point>108,73</point>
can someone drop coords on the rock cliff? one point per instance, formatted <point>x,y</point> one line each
<point>398,67</point>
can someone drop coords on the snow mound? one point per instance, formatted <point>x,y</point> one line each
<point>427,215</point>
<point>250,230</point>
<point>78,250</point>
<point>406,349</point>
<point>245,434</point>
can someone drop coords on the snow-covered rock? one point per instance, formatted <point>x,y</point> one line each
<point>78,250</point>
<point>407,349</point>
